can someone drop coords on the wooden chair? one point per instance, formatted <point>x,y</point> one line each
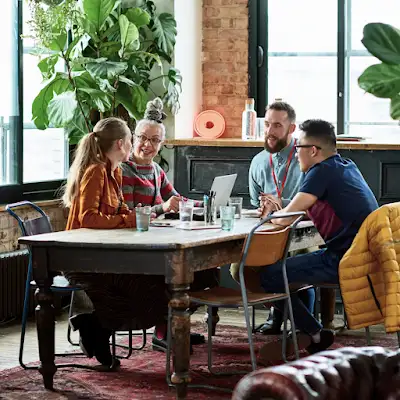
<point>261,248</point>
<point>60,285</point>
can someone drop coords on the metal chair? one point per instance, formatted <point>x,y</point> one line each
<point>60,285</point>
<point>261,248</point>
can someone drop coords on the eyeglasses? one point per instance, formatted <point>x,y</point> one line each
<point>307,146</point>
<point>155,141</point>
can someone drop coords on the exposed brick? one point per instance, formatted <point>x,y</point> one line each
<point>225,60</point>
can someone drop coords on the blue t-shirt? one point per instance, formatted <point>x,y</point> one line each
<point>344,201</point>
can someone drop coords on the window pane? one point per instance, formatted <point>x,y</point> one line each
<point>365,11</point>
<point>302,25</point>
<point>376,132</point>
<point>364,107</point>
<point>9,92</point>
<point>307,83</point>
<point>44,155</point>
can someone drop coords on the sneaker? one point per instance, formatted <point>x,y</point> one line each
<point>327,339</point>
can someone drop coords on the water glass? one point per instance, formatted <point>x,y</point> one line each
<point>237,202</point>
<point>227,214</point>
<point>186,211</point>
<point>143,215</point>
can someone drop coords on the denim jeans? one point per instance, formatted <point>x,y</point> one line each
<point>317,267</point>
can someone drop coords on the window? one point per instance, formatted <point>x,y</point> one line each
<point>33,163</point>
<point>310,54</point>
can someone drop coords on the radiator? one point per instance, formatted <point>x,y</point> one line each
<point>13,270</point>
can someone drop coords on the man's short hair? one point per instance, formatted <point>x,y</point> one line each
<point>322,131</point>
<point>283,106</point>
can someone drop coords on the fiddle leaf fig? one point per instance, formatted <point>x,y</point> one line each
<point>112,51</point>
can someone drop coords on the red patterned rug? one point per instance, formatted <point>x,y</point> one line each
<point>143,375</point>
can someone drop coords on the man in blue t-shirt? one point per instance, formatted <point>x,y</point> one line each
<point>337,199</point>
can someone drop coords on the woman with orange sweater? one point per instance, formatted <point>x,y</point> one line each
<point>94,196</point>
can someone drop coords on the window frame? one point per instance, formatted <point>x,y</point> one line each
<point>18,191</point>
<point>258,62</point>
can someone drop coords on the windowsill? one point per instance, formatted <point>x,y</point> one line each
<point>384,143</point>
<point>40,203</point>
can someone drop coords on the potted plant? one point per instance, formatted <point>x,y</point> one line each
<point>113,52</point>
<point>383,80</point>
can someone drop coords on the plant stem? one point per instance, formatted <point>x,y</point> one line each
<point>158,77</point>
<point>75,88</point>
<point>116,83</point>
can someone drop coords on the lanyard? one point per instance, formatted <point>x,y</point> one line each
<point>279,192</point>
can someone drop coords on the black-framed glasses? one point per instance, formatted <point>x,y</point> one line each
<point>155,141</point>
<point>307,146</point>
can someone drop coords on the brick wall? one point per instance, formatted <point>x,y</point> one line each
<point>225,60</point>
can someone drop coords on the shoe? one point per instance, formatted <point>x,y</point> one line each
<point>327,339</point>
<point>102,350</point>
<point>84,323</point>
<point>273,324</point>
<point>161,344</point>
<point>271,352</point>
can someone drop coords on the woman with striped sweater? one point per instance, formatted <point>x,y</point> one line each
<point>144,182</point>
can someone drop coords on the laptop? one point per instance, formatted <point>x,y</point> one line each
<point>223,186</point>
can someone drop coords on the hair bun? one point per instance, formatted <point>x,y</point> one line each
<point>154,110</point>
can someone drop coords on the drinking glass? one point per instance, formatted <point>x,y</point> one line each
<point>186,211</point>
<point>237,202</point>
<point>143,215</point>
<point>227,214</point>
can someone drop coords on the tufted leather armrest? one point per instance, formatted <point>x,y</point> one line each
<point>366,373</point>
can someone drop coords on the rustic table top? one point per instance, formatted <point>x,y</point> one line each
<point>156,238</point>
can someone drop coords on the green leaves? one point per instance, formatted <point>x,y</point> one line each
<point>383,80</point>
<point>129,37</point>
<point>47,66</point>
<point>382,41</point>
<point>58,85</point>
<point>61,109</point>
<point>138,16</point>
<point>102,68</point>
<point>164,29</point>
<point>97,11</point>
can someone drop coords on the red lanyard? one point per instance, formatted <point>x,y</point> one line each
<point>279,192</point>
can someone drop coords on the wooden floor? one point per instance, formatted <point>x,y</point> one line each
<point>10,335</point>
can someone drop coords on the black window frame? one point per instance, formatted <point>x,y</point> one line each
<point>258,61</point>
<point>34,191</point>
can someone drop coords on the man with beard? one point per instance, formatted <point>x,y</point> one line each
<point>274,179</point>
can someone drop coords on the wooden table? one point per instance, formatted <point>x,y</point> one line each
<point>171,252</point>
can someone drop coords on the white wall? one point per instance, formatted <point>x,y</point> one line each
<point>188,16</point>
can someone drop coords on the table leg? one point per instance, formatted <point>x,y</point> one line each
<point>179,304</point>
<point>44,317</point>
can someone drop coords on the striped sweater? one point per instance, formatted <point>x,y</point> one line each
<point>148,185</point>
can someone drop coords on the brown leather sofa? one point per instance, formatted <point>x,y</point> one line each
<point>362,373</point>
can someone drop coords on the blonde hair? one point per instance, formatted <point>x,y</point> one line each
<point>153,115</point>
<point>92,149</point>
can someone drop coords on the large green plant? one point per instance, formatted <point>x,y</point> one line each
<point>116,54</point>
<point>383,80</point>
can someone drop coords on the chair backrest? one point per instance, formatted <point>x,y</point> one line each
<point>32,226</point>
<point>266,247</point>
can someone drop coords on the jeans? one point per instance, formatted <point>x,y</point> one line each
<point>317,267</point>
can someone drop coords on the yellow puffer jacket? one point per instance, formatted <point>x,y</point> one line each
<point>369,272</point>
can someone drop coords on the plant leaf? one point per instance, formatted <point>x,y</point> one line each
<point>46,66</point>
<point>164,29</point>
<point>59,42</point>
<point>382,41</point>
<point>100,99</point>
<point>97,11</point>
<point>381,80</point>
<point>79,44</point>
<point>106,69</point>
<point>58,85</point>
<point>61,108</point>
<point>140,99</point>
<point>77,128</point>
<point>129,37</point>
<point>138,16</point>
<point>124,97</point>
<point>395,107</point>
